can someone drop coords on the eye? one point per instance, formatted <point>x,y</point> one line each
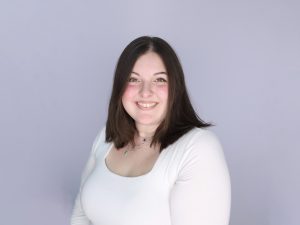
<point>132,80</point>
<point>160,80</point>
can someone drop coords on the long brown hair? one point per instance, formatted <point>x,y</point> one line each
<point>180,117</point>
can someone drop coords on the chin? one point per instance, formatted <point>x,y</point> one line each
<point>149,123</point>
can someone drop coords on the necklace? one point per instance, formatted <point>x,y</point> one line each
<point>143,143</point>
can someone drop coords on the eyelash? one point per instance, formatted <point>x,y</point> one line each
<point>132,79</point>
<point>158,80</point>
<point>161,80</point>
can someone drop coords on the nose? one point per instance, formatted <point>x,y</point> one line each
<point>146,89</point>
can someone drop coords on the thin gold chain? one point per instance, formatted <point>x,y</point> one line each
<point>145,144</point>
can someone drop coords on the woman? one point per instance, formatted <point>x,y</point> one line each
<point>154,163</point>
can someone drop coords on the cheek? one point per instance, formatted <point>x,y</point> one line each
<point>163,92</point>
<point>129,92</point>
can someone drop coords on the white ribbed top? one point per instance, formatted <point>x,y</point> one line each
<point>189,184</point>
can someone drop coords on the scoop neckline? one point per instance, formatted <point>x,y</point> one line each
<point>108,171</point>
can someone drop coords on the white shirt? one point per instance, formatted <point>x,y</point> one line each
<point>189,184</point>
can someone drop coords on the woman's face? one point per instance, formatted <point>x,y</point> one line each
<point>146,95</point>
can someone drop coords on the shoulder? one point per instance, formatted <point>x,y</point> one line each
<point>204,141</point>
<point>197,139</point>
<point>201,145</point>
<point>199,136</point>
<point>99,139</point>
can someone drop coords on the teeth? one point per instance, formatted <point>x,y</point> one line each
<point>146,105</point>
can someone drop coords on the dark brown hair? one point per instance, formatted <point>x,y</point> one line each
<point>180,116</point>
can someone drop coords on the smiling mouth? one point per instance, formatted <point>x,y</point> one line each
<point>146,105</point>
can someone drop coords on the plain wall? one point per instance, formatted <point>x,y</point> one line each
<point>242,66</point>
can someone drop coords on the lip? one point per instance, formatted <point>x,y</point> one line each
<point>146,105</point>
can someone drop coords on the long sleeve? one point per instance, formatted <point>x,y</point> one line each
<point>78,216</point>
<point>202,192</point>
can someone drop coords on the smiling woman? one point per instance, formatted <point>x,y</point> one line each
<point>146,95</point>
<point>154,162</point>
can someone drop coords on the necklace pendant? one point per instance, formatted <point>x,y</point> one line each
<point>125,153</point>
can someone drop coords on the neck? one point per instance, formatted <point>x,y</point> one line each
<point>146,131</point>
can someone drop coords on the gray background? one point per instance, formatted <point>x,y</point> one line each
<point>242,66</point>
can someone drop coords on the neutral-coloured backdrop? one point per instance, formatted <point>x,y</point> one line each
<point>242,65</point>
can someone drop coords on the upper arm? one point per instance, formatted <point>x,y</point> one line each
<point>201,194</point>
<point>78,216</point>
<point>90,164</point>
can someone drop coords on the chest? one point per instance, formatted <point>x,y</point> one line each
<point>133,201</point>
<point>132,163</point>
<point>131,195</point>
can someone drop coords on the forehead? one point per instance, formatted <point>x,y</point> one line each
<point>149,61</point>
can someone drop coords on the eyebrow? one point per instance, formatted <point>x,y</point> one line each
<point>158,73</point>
